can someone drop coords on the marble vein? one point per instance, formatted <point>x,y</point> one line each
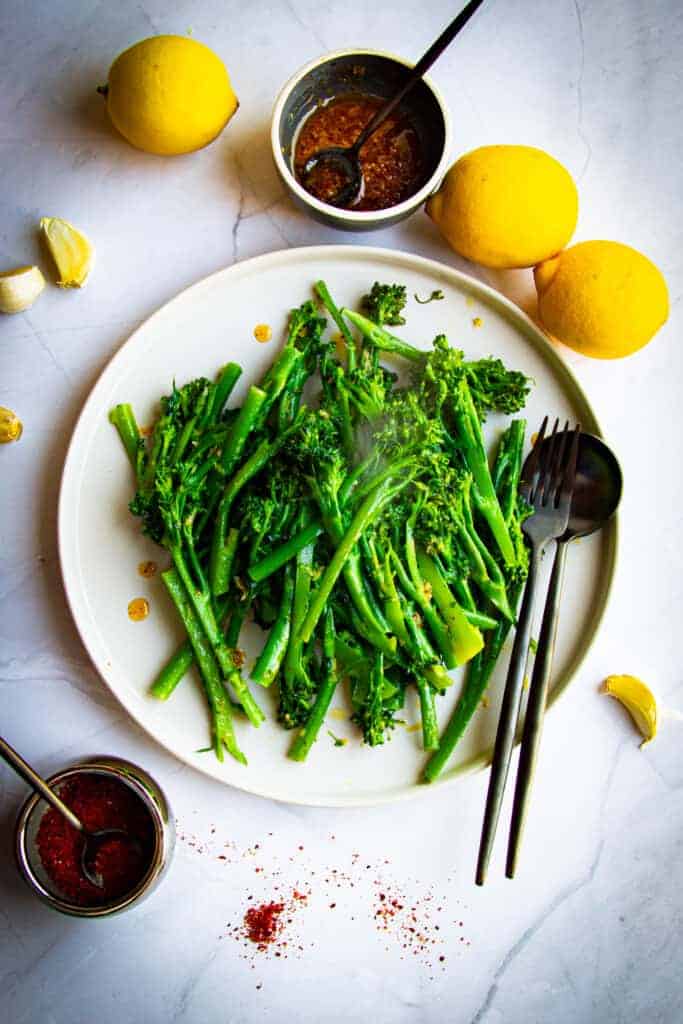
<point>579,91</point>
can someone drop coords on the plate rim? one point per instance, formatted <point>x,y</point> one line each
<point>531,330</point>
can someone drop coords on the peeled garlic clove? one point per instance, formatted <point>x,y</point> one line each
<point>639,701</point>
<point>19,288</point>
<point>10,426</point>
<point>70,249</point>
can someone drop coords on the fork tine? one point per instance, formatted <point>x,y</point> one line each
<point>530,469</point>
<point>567,484</point>
<point>549,463</point>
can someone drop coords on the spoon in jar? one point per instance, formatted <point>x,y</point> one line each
<point>343,162</point>
<point>93,841</point>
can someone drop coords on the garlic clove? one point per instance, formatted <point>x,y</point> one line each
<point>10,426</point>
<point>19,288</point>
<point>70,249</point>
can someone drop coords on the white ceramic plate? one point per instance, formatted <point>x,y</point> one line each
<point>100,543</point>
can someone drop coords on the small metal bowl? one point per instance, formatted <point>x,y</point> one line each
<point>360,71</point>
<point>151,795</point>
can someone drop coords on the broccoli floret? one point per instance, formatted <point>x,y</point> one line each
<point>385,303</point>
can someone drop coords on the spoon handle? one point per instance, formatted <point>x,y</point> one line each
<point>423,65</point>
<point>533,720</point>
<point>16,761</point>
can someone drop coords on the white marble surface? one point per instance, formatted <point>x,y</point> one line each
<point>591,929</point>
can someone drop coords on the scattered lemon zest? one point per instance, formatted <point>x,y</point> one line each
<point>477,321</point>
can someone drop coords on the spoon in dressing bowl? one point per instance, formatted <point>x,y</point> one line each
<point>93,841</point>
<point>342,163</point>
<point>596,495</point>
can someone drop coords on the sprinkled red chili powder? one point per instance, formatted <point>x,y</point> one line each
<point>262,922</point>
<point>99,802</point>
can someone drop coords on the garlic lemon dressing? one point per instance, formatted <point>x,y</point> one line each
<point>391,160</point>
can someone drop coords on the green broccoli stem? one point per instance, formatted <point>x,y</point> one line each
<point>446,643</point>
<point>478,677</point>
<point>221,712</point>
<point>483,492</point>
<point>225,384</point>
<point>276,379</point>
<point>123,418</point>
<point>506,474</point>
<point>201,600</point>
<point>275,648</point>
<point>334,311</point>
<point>290,398</point>
<point>274,560</point>
<point>309,733</point>
<point>293,666</point>
<point>480,619</point>
<point>178,665</point>
<point>381,339</point>
<point>367,512</point>
<point>467,639</point>
<point>243,426</point>
<point>220,560</point>
<point>173,671</point>
<point>430,727</point>
<point>360,591</point>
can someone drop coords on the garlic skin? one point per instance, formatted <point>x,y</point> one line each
<point>70,249</point>
<point>19,288</point>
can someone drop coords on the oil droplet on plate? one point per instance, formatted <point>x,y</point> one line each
<point>339,714</point>
<point>147,569</point>
<point>138,609</point>
<point>263,333</point>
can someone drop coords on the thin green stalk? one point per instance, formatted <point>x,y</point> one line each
<point>368,511</point>
<point>466,638</point>
<point>275,648</point>
<point>334,311</point>
<point>274,560</point>
<point>123,418</point>
<point>201,601</point>
<point>309,733</point>
<point>430,727</point>
<point>241,429</point>
<point>225,383</point>
<point>172,672</point>
<point>220,561</point>
<point>221,712</point>
<point>381,339</point>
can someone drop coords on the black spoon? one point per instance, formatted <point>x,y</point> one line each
<point>596,496</point>
<point>92,840</point>
<point>346,159</point>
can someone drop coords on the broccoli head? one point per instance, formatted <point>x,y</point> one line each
<point>385,304</point>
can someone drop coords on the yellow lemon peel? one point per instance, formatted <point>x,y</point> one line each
<point>639,701</point>
<point>169,95</point>
<point>603,299</point>
<point>70,249</point>
<point>506,206</point>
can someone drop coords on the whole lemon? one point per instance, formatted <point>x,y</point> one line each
<point>603,299</point>
<point>169,95</point>
<point>506,206</point>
